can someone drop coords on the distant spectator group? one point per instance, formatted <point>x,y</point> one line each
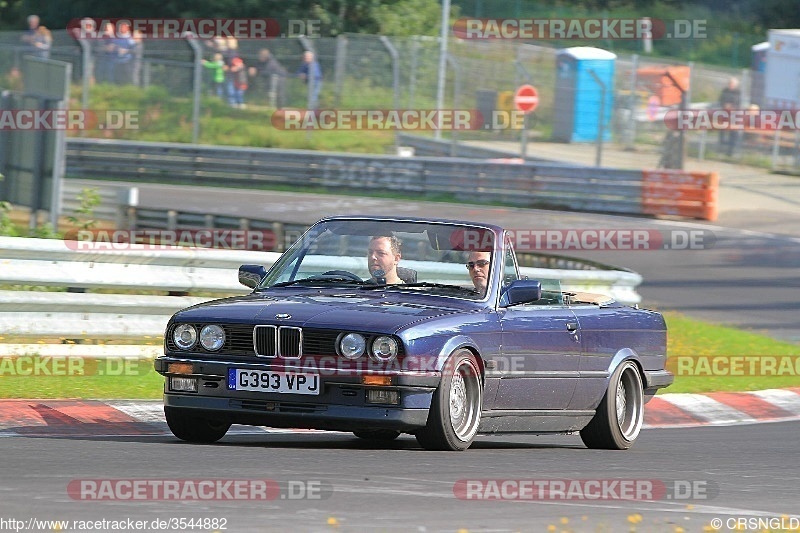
<point>116,56</point>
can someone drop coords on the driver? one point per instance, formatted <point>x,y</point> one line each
<point>478,267</point>
<point>384,254</point>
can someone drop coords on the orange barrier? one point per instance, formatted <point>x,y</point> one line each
<point>680,193</point>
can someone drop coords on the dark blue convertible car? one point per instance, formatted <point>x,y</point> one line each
<point>383,326</point>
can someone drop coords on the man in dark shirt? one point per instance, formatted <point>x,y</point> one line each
<point>730,98</point>
<point>271,76</point>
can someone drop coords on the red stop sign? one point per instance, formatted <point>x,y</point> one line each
<point>526,98</point>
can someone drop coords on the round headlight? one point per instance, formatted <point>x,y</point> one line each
<point>352,345</point>
<point>212,337</point>
<point>384,348</point>
<point>185,336</point>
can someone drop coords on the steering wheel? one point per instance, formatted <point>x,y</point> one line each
<point>343,273</point>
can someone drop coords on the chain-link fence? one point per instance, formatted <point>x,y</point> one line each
<point>373,72</point>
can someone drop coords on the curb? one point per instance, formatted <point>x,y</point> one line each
<point>96,418</point>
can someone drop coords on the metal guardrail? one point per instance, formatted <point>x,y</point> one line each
<point>51,265</point>
<point>527,184</point>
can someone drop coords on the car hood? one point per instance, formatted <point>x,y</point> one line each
<point>384,312</point>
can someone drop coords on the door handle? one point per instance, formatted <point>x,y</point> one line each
<point>572,327</point>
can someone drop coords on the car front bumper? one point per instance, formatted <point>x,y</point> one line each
<point>341,404</point>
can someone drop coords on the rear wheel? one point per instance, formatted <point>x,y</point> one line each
<point>620,415</point>
<point>381,435</point>
<point>455,411</point>
<point>192,428</point>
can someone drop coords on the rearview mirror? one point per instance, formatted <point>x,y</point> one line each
<point>251,275</point>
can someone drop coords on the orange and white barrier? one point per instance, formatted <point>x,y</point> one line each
<point>680,193</point>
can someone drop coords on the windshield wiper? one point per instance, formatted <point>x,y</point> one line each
<point>422,284</point>
<point>319,279</point>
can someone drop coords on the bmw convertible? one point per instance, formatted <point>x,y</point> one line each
<point>381,326</point>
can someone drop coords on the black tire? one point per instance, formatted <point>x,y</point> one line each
<point>379,435</point>
<point>193,428</point>
<point>456,406</point>
<point>620,415</point>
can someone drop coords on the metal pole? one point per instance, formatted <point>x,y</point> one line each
<point>523,138</point>
<point>600,119</point>
<point>413,76</point>
<point>198,82</point>
<point>681,137</point>
<point>395,77</point>
<point>86,57</point>
<point>442,65</point>
<point>339,68</point>
<point>456,92</point>
<point>631,134</point>
<point>37,184</point>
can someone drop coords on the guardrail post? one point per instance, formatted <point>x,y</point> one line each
<point>172,219</point>
<point>280,236</point>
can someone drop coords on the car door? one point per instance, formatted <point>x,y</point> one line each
<point>605,332</point>
<point>540,350</point>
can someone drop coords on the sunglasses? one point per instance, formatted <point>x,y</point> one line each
<point>480,263</point>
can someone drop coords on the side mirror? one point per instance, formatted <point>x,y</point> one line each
<point>251,275</point>
<point>521,291</point>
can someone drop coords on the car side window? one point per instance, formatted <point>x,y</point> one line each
<point>510,272</point>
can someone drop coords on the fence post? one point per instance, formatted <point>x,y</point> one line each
<point>339,68</point>
<point>456,92</point>
<point>445,31</point>
<point>412,80</point>
<point>600,119</point>
<point>395,77</point>
<point>198,85</point>
<point>86,57</point>
<point>630,133</point>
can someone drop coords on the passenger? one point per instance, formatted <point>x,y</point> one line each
<point>383,256</point>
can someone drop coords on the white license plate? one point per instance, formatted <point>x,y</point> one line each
<point>264,381</point>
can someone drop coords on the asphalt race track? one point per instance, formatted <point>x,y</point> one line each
<point>335,482</point>
<point>735,472</point>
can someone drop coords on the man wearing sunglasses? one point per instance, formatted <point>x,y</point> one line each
<point>478,267</point>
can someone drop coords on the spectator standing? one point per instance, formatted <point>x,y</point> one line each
<point>105,54</point>
<point>217,66</point>
<point>29,35</point>
<point>730,98</point>
<point>124,46</point>
<point>238,75</point>
<point>42,42</point>
<point>311,73</point>
<point>230,53</point>
<point>272,77</point>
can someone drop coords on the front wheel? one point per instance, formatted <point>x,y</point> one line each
<point>455,411</point>
<point>192,428</point>
<point>620,415</point>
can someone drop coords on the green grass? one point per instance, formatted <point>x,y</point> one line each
<point>689,337</point>
<point>166,118</point>
<point>686,337</point>
<point>79,378</point>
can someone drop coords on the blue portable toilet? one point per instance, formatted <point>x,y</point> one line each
<point>578,105</point>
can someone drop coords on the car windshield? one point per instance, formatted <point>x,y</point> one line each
<point>387,255</point>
